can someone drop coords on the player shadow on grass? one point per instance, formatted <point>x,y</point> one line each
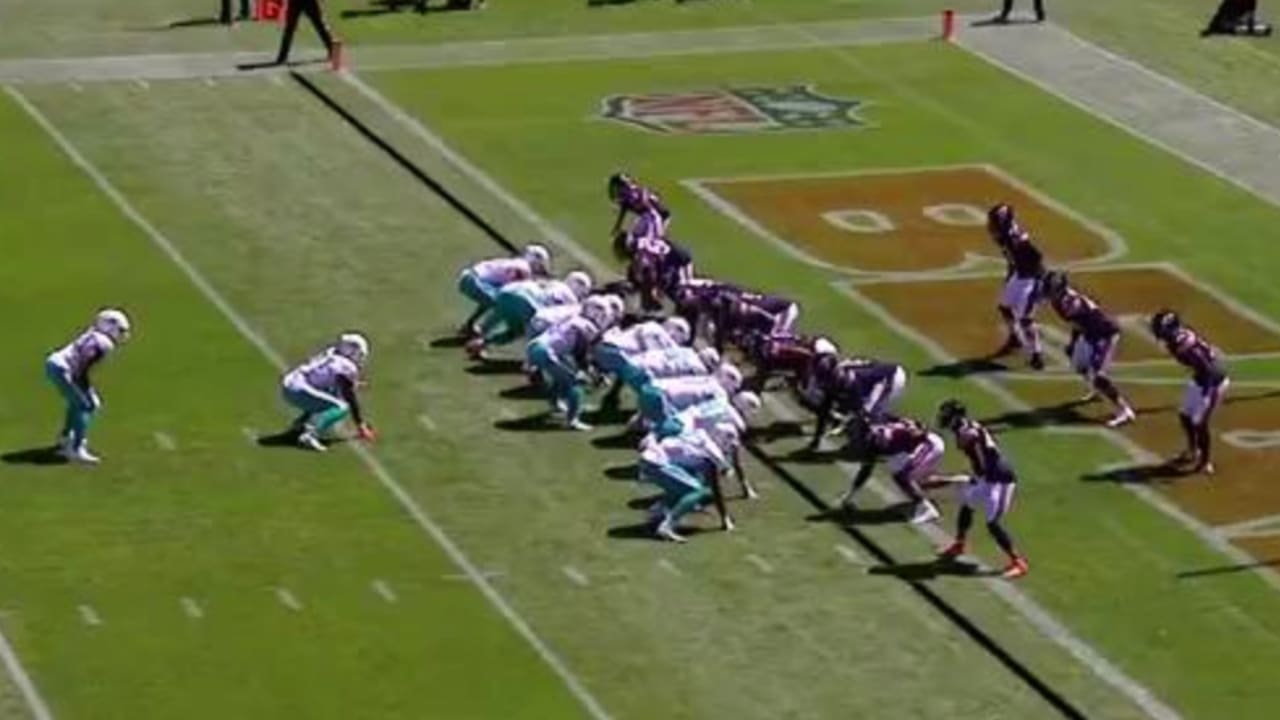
<point>538,422</point>
<point>644,531</point>
<point>47,455</point>
<point>390,7</point>
<point>1139,474</point>
<point>496,367</point>
<point>448,341</point>
<point>523,392</point>
<point>620,441</point>
<point>964,368</point>
<point>629,472</point>
<point>849,516</point>
<point>929,569</point>
<point>1065,413</point>
<point>1226,569</point>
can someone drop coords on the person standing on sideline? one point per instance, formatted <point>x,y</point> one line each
<point>226,18</point>
<point>1007,8</point>
<point>314,13</point>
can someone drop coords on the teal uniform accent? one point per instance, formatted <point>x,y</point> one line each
<point>563,377</point>
<point>511,313</point>
<point>318,411</point>
<point>80,404</point>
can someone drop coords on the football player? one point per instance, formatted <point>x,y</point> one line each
<point>687,467</point>
<point>517,304</point>
<point>990,486</point>
<point>635,199</point>
<point>655,266</point>
<point>847,388</point>
<point>1204,393</point>
<point>559,352</point>
<point>791,356</point>
<point>611,354</point>
<point>68,369</point>
<point>481,282</point>
<point>1024,269</point>
<point>661,400</point>
<point>1094,336</point>
<point>912,451</point>
<point>324,389</point>
<point>742,317</point>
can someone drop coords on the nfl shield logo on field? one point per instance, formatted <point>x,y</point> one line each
<point>734,110</point>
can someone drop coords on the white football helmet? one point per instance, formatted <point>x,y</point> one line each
<point>709,357</point>
<point>824,346</point>
<point>747,403</point>
<point>725,435</point>
<point>617,306</point>
<point>113,323</point>
<point>678,328</point>
<point>539,259</point>
<point>729,377</point>
<point>596,309</point>
<point>579,282</point>
<point>353,346</point>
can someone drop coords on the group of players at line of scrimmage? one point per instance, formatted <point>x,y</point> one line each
<point>693,404</point>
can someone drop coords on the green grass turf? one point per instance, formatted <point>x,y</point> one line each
<point>1107,561</point>
<point>218,520</point>
<point>311,231</point>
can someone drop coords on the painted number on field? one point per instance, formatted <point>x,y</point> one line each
<point>1252,439</point>
<point>875,222</point>
<point>958,214</point>
<point>865,222</point>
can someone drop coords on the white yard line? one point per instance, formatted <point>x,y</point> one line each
<point>165,441</point>
<point>384,591</point>
<point>250,434</point>
<point>427,423</point>
<point>288,599</point>
<point>191,608</point>
<point>576,576</point>
<point>669,567</point>
<point>1051,628</point>
<point>850,555</point>
<point>384,477</point>
<point>89,616</point>
<point>760,563</point>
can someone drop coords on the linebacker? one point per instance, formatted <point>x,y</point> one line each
<point>1204,393</point>
<point>1094,336</point>
<point>68,369</point>
<point>1024,269</point>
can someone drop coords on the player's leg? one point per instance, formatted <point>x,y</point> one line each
<point>479,292</point>
<point>316,15</point>
<point>323,412</point>
<point>922,464</point>
<point>80,407</point>
<point>1013,340</point>
<point>1098,369</point>
<point>964,521</point>
<point>997,502</point>
<point>1192,403</point>
<point>1203,436</point>
<point>692,494</point>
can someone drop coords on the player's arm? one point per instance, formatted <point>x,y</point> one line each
<point>717,495</point>
<point>748,491</point>
<point>617,222</point>
<point>347,390</point>
<point>824,418</point>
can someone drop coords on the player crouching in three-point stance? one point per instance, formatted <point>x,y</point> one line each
<point>913,454</point>
<point>68,369</point>
<point>1094,336</point>
<point>482,281</point>
<point>990,487</point>
<point>324,388</point>
<point>1204,393</point>
<point>1025,267</point>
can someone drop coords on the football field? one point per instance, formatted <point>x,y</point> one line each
<point>479,562</point>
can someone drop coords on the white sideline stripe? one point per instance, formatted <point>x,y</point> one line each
<point>375,466</point>
<point>90,616</point>
<point>142,83</point>
<point>1254,527</point>
<point>459,577</point>
<point>1054,630</point>
<point>384,591</point>
<point>1129,380</point>
<point>191,608</point>
<point>427,423</point>
<point>575,576</point>
<point>851,556</point>
<point>669,566</point>
<point>250,434</point>
<point>210,81</point>
<point>761,564</point>
<point>77,87</point>
<point>165,441</point>
<point>1117,123</point>
<point>288,599</point>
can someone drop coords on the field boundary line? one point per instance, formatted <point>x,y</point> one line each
<point>1031,610</point>
<point>371,461</point>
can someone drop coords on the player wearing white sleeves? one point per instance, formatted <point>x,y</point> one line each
<point>611,355</point>
<point>68,369</point>
<point>726,422</point>
<point>559,353</point>
<point>641,369</point>
<point>661,400</point>
<point>687,467</point>
<point>515,305</point>
<point>481,282</point>
<point>324,388</point>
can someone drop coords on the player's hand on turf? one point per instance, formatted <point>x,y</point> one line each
<point>366,433</point>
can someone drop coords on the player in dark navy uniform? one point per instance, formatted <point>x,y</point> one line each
<point>790,356</point>
<point>1024,269</point>
<point>912,455</point>
<point>1094,336</point>
<point>740,318</point>
<point>990,487</point>
<point>655,266</point>
<point>644,204</point>
<point>1204,393</point>
<point>851,388</point>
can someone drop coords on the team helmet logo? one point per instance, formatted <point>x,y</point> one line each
<point>735,110</point>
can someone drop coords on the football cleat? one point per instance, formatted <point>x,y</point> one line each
<point>665,531</point>
<point>1011,344</point>
<point>80,454</point>
<point>925,512</point>
<point>579,425</point>
<point>1037,361</point>
<point>1016,568</point>
<point>952,551</point>
<point>309,441</point>
<point>1124,417</point>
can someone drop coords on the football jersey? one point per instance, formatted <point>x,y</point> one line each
<point>671,362</point>
<point>1023,257</point>
<point>1194,353</point>
<point>1084,315</point>
<point>79,354</point>
<point>639,338</point>
<point>683,393</point>
<point>502,271</point>
<point>985,458</point>
<point>712,413</point>
<point>553,292</point>
<point>323,371</point>
<point>693,450</point>
<point>569,336</point>
<point>897,436</point>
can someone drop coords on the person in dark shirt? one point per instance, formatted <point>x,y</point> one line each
<point>1204,393</point>
<point>1094,336</point>
<point>857,387</point>
<point>1006,9</point>
<point>991,485</point>
<point>1024,265</point>
<point>315,13</point>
